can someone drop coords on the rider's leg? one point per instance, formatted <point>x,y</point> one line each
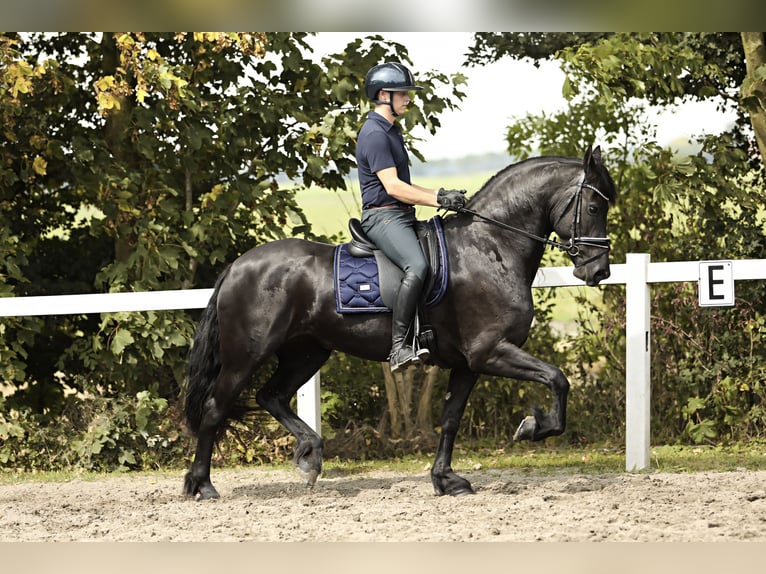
<point>403,313</point>
<point>393,231</point>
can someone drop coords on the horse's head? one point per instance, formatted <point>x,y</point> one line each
<point>583,220</point>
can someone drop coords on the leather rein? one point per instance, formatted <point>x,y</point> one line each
<point>572,246</point>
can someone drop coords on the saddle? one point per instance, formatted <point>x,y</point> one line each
<point>366,281</point>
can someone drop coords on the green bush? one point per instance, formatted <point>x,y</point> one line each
<point>709,367</point>
<point>96,428</point>
<point>353,391</point>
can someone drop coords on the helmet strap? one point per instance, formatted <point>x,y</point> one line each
<point>389,103</point>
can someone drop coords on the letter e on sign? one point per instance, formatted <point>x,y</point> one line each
<point>716,284</point>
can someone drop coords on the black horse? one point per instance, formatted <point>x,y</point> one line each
<point>277,300</point>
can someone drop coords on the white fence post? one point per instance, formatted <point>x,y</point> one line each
<point>637,362</point>
<point>309,403</point>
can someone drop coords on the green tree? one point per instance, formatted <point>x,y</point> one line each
<point>146,161</point>
<point>754,86</point>
<point>703,203</point>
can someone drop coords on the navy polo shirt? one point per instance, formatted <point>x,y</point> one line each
<point>379,145</point>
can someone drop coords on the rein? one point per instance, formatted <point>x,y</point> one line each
<point>571,247</point>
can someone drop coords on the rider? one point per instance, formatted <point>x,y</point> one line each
<point>389,197</point>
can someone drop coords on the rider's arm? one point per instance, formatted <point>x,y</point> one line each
<point>403,191</point>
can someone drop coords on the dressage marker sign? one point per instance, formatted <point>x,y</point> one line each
<point>716,282</point>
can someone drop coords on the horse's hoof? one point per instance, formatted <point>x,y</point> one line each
<point>463,491</point>
<point>202,489</point>
<point>526,430</point>
<point>310,476</point>
<point>458,487</point>
<point>208,493</point>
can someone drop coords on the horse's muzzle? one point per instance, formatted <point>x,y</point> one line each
<point>599,276</point>
<point>593,273</point>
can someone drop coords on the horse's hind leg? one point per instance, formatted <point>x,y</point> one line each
<point>215,412</point>
<point>298,360</point>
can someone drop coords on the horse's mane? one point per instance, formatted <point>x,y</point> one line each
<point>531,162</point>
<point>519,165</point>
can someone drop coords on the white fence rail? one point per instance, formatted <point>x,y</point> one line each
<point>637,273</point>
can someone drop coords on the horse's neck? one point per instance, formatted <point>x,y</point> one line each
<point>523,200</point>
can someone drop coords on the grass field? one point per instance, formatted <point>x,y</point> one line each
<point>525,458</point>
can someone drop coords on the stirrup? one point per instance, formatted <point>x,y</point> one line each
<point>401,357</point>
<point>422,353</point>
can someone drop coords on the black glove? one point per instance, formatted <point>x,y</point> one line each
<point>451,198</point>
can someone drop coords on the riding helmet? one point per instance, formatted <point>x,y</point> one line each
<point>391,76</point>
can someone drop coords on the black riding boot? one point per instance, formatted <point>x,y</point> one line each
<point>404,311</point>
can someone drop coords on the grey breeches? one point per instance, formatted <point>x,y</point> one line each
<point>393,231</point>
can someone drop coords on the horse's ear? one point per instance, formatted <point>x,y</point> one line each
<point>592,157</point>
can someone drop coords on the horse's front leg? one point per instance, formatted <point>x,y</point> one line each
<point>508,360</point>
<point>444,479</point>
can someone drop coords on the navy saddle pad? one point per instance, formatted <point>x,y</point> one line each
<point>357,280</point>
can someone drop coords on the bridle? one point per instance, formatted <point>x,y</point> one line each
<point>572,246</point>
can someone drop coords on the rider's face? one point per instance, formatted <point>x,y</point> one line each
<point>400,101</point>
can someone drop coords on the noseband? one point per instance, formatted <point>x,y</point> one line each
<point>571,247</point>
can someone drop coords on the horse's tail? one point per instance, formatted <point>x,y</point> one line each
<point>204,361</point>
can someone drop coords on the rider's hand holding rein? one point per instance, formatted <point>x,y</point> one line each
<point>453,199</point>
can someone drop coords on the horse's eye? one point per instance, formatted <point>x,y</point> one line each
<point>592,209</point>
